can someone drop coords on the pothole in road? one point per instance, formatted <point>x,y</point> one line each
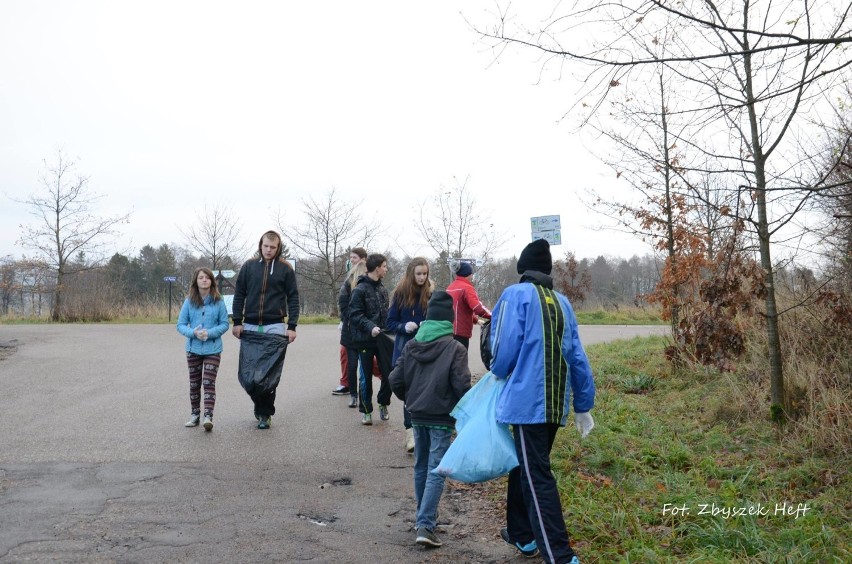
<point>8,348</point>
<point>336,482</point>
<point>318,520</point>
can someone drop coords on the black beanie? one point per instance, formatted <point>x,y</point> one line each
<point>536,256</point>
<point>440,307</point>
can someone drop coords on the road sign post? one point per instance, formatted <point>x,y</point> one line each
<point>170,280</point>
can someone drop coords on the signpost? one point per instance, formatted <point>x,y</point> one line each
<point>170,280</point>
<point>548,227</point>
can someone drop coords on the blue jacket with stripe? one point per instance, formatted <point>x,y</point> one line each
<point>536,345</point>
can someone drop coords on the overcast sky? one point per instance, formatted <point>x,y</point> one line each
<point>168,105</point>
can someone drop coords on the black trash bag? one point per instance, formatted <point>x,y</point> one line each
<point>261,361</point>
<point>384,350</point>
<point>485,343</point>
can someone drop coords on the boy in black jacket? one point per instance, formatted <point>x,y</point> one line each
<point>368,313</point>
<point>431,376</point>
<point>266,308</point>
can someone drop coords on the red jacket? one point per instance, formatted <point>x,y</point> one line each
<point>465,304</point>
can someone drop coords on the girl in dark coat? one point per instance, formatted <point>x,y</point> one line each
<point>345,335</point>
<point>407,311</point>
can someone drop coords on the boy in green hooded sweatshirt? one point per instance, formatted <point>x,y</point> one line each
<point>431,376</point>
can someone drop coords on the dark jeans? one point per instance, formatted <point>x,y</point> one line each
<point>365,381</point>
<point>533,509</point>
<point>463,340</point>
<point>352,370</point>
<point>264,403</point>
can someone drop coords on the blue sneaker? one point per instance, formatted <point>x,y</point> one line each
<point>529,550</point>
<point>575,560</point>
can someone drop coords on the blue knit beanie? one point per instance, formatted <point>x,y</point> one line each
<point>464,269</point>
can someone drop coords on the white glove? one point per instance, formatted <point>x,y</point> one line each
<point>584,423</point>
<point>375,332</point>
<point>198,332</point>
<point>340,327</point>
<point>410,327</point>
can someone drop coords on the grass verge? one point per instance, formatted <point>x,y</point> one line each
<point>622,316</point>
<point>667,475</point>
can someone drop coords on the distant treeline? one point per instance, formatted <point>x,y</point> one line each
<point>97,291</point>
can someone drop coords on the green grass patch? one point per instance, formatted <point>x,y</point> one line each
<point>24,320</point>
<point>662,479</point>
<point>622,316</point>
<point>318,320</point>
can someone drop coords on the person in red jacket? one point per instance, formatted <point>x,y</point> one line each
<point>466,304</point>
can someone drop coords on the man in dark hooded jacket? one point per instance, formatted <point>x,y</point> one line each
<point>266,312</point>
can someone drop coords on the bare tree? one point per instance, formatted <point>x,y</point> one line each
<point>572,280</point>
<point>331,229</point>
<point>8,283</point>
<point>754,75</point>
<point>835,203</point>
<point>66,225</point>
<point>216,234</point>
<point>457,226</point>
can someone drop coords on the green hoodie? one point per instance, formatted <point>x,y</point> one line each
<point>430,330</point>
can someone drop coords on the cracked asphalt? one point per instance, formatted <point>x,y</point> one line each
<point>96,466</point>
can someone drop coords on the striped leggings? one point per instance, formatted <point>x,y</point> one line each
<point>202,369</point>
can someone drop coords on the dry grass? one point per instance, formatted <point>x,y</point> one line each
<point>817,379</point>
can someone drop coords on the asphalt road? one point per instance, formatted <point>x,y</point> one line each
<point>96,466</point>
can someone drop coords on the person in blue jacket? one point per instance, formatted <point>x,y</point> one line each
<point>407,311</point>
<point>203,320</point>
<point>536,346</point>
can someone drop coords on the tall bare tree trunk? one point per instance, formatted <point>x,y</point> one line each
<point>670,243</point>
<point>778,407</point>
<point>56,306</point>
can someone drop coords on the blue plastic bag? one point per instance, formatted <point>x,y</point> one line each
<point>483,449</point>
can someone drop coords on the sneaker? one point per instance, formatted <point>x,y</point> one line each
<point>340,391</point>
<point>574,560</point>
<point>353,401</point>
<point>409,441</point>
<point>427,537</point>
<point>383,412</point>
<point>193,420</point>
<point>208,422</point>
<point>529,550</point>
<point>366,419</point>
<point>265,422</point>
